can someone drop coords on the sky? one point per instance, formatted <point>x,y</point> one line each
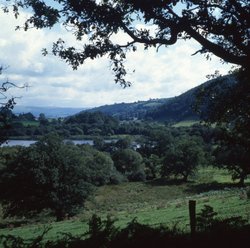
<point>51,82</point>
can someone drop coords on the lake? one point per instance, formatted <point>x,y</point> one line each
<point>27,143</point>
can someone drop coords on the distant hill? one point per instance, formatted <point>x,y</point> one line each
<point>50,112</point>
<point>173,109</point>
<point>176,109</point>
<point>181,108</point>
<point>130,111</point>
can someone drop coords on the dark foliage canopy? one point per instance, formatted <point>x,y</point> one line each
<point>221,27</point>
<point>46,175</point>
<point>227,103</point>
<point>233,153</point>
<point>129,163</point>
<point>182,157</point>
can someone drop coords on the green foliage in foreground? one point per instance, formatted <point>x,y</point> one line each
<point>104,233</point>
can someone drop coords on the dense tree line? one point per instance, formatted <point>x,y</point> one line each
<point>83,123</point>
<point>155,137</point>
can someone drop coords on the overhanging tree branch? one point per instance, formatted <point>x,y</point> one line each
<point>217,50</point>
<point>221,27</point>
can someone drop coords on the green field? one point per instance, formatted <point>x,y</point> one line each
<point>185,123</point>
<point>30,123</point>
<point>154,203</point>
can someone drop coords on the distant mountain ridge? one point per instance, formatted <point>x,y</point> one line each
<point>182,107</point>
<point>172,109</point>
<point>130,111</point>
<point>50,112</point>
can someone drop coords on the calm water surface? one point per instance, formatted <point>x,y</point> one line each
<point>27,143</point>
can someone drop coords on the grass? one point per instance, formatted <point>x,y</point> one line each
<point>92,137</point>
<point>157,202</point>
<point>187,123</point>
<point>30,123</point>
<point>152,104</point>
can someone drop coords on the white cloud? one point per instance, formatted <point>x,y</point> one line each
<point>167,73</point>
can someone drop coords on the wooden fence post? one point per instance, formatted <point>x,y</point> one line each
<point>192,216</point>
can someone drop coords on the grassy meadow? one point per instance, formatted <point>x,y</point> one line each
<point>187,123</point>
<point>154,202</point>
<point>30,123</point>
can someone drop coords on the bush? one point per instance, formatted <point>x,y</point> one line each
<point>117,178</point>
<point>137,176</point>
